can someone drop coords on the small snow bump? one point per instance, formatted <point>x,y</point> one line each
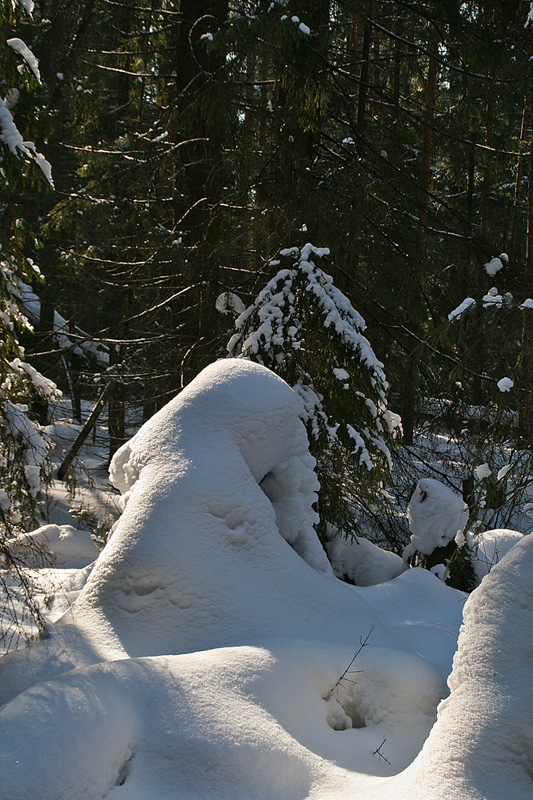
<point>493,266</point>
<point>503,471</point>
<point>505,385</point>
<point>483,471</point>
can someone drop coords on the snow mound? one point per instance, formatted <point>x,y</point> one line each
<point>62,545</point>
<point>436,515</point>
<point>482,745</point>
<point>216,486</point>
<point>490,547</point>
<point>215,545</point>
<point>231,723</point>
<point>362,562</point>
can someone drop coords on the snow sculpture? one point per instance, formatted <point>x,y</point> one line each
<point>215,545</point>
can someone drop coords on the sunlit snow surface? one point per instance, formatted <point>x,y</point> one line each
<point>202,657</point>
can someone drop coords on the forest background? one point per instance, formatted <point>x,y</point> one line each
<point>191,141</point>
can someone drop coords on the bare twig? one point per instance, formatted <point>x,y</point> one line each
<point>362,643</point>
<point>377,752</point>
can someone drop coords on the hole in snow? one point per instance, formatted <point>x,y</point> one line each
<point>271,487</point>
<point>124,770</point>
<point>354,714</point>
<point>343,716</point>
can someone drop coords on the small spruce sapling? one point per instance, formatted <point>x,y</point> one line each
<point>306,330</point>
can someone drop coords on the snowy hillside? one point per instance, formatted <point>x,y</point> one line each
<point>211,652</point>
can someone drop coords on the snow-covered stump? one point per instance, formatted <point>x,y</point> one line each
<point>482,743</point>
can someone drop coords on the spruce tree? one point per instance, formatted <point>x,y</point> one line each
<point>306,330</point>
<point>25,467</point>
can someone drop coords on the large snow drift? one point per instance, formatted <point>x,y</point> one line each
<point>206,655</point>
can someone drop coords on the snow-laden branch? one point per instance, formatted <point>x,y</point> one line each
<point>23,50</point>
<point>26,5</point>
<point>12,138</point>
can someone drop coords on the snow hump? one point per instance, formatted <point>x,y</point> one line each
<point>211,487</point>
<point>482,745</point>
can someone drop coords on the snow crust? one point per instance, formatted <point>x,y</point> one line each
<point>212,653</point>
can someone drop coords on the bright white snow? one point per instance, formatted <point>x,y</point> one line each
<point>210,653</point>
<point>457,312</point>
<point>436,514</point>
<point>505,384</point>
<point>23,50</point>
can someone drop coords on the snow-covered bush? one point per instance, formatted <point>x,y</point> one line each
<point>306,330</point>
<point>437,519</point>
<point>442,542</point>
<point>25,467</point>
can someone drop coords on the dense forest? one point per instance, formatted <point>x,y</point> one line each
<point>232,585</point>
<point>190,142</point>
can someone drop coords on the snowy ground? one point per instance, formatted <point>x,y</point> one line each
<point>209,652</point>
